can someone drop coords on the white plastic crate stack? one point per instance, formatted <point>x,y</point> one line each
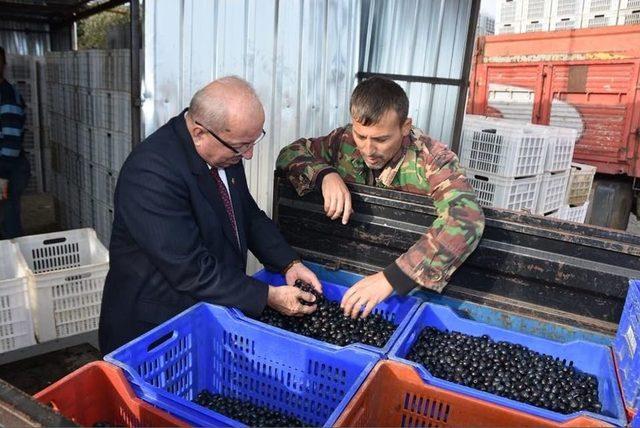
<point>560,143</point>
<point>504,162</point>
<point>515,165</point>
<point>600,13</point>
<point>629,12</point>
<point>91,126</point>
<point>576,203</point>
<point>509,16</point>
<point>67,274</point>
<point>566,14</point>
<point>21,71</point>
<point>537,15</point>
<point>16,322</point>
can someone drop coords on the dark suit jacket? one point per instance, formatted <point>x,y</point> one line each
<point>172,243</point>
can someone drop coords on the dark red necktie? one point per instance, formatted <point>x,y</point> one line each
<point>226,200</point>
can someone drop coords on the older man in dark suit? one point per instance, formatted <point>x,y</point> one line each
<point>184,220</point>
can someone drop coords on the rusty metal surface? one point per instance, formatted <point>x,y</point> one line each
<point>18,409</point>
<point>586,79</point>
<point>525,264</point>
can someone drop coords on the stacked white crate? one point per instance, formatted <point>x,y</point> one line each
<point>516,165</point>
<point>509,16</point>
<point>600,13</point>
<point>566,14</point>
<point>21,71</point>
<point>90,125</point>
<point>559,153</point>
<point>537,15</point>
<point>629,12</point>
<point>504,161</point>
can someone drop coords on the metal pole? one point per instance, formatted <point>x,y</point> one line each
<point>466,69</point>
<point>135,73</point>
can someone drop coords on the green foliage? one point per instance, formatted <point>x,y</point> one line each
<point>92,31</point>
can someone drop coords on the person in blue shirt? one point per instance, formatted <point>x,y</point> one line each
<point>14,166</point>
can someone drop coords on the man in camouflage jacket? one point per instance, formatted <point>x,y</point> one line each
<point>380,148</point>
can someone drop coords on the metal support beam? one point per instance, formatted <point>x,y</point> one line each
<point>412,78</point>
<point>466,70</point>
<point>135,73</point>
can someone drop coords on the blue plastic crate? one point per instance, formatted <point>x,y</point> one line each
<point>209,347</point>
<point>396,309</point>
<point>588,357</point>
<point>626,346</point>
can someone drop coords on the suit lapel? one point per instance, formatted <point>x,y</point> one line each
<point>206,182</point>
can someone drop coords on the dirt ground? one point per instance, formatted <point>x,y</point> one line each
<point>34,374</point>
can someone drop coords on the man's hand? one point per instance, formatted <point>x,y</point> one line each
<point>337,199</point>
<point>300,271</point>
<point>4,189</point>
<point>286,300</point>
<point>367,292</point>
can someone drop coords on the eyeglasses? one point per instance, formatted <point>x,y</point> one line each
<point>237,150</point>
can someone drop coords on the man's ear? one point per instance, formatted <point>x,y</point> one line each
<point>406,128</point>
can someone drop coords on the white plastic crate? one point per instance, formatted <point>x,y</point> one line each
<point>629,16</point>
<point>536,25</point>
<point>553,190</point>
<point>536,9</point>
<point>68,273</point>
<point>501,147</point>
<point>599,6</point>
<point>16,324</point>
<point>599,19</point>
<point>576,214</point>
<point>510,193</point>
<point>580,182</point>
<point>565,23</point>
<point>559,150</point>
<point>509,11</point>
<point>563,8</point>
<point>508,28</point>
<point>629,4</point>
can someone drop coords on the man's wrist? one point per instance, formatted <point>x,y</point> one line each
<point>290,265</point>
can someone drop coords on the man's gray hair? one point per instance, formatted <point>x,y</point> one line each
<point>211,106</point>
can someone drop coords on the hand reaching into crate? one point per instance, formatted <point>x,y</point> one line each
<point>288,299</point>
<point>365,295</point>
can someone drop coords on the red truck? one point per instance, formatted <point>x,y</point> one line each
<point>587,79</point>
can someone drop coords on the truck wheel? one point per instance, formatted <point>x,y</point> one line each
<point>611,203</point>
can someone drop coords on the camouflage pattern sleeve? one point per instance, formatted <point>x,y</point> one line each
<point>454,234</point>
<point>308,159</point>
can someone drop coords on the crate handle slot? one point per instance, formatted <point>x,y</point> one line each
<point>78,277</point>
<point>490,131</point>
<point>54,241</point>
<point>162,340</point>
<point>481,177</point>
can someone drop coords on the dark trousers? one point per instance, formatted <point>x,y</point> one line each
<point>17,171</point>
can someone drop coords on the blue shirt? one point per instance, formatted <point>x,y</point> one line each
<point>12,119</point>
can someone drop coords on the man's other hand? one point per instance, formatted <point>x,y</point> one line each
<point>4,189</point>
<point>337,198</point>
<point>286,300</point>
<point>367,293</point>
<point>301,272</point>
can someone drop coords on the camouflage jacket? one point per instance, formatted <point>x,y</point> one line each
<point>423,166</point>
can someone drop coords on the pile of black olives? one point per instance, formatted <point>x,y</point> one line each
<point>329,324</point>
<point>506,369</point>
<point>245,412</point>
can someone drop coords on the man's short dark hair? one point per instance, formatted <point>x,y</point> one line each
<point>373,97</point>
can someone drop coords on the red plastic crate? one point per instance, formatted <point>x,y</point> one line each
<point>395,395</point>
<point>99,392</point>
